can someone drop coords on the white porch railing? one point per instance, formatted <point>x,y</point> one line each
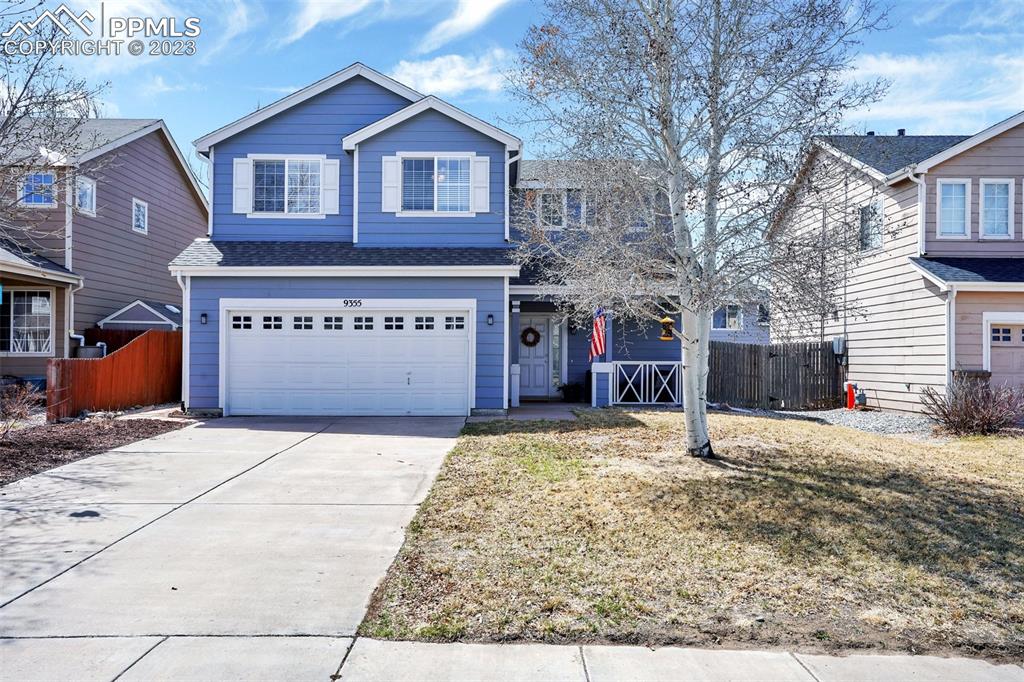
<point>647,383</point>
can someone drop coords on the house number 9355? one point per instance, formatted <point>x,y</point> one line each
<point>352,302</point>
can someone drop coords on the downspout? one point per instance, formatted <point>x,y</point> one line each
<point>70,312</point>
<point>950,334</point>
<point>68,219</point>
<point>185,330</point>
<point>921,194</point>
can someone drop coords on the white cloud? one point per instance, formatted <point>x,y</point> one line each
<point>954,91</point>
<point>315,12</point>
<point>468,16</point>
<point>241,18</point>
<point>158,86</point>
<point>454,74</point>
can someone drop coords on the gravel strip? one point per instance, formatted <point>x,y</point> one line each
<point>873,421</point>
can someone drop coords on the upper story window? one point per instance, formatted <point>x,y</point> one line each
<point>728,317</point>
<point>140,216</point>
<point>552,210</point>
<point>871,222</point>
<point>953,208</point>
<point>85,195</point>
<point>436,184</point>
<point>996,209</point>
<point>26,322</point>
<point>287,186</point>
<point>37,190</point>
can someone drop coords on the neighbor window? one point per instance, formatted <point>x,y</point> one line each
<point>953,208</point>
<point>140,216</point>
<point>728,317</point>
<point>26,322</point>
<point>85,195</point>
<point>871,226</point>
<point>996,203</point>
<point>436,184</point>
<point>37,190</point>
<point>552,210</point>
<point>287,186</point>
<point>764,316</point>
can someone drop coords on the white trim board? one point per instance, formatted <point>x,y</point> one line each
<point>204,143</point>
<point>228,305</point>
<point>352,271</point>
<point>987,320</point>
<point>350,141</point>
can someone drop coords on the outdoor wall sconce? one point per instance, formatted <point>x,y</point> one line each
<point>666,329</point>
<point>572,328</point>
<point>202,318</point>
<point>490,320</point>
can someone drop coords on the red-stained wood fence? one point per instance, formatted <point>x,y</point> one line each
<point>146,371</point>
<point>114,338</point>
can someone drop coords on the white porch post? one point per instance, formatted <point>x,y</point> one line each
<point>513,369</point>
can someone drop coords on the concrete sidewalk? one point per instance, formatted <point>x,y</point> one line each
<point>188,659</point>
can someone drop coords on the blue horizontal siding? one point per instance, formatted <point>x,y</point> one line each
<point>429,131</point>
<point>206,293</point>
<point>315,126</point>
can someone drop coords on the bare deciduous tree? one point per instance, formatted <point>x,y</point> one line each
<point>683,124</point>
<point>43,109</point>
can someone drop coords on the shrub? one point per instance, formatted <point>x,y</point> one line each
<point>971,406</point>
<point>16,403</point>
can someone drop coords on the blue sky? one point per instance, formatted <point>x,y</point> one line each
<point>956,65</point>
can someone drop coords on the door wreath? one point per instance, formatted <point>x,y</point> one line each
<point>530,337</point>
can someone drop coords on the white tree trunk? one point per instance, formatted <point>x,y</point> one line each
<point>696,331</point>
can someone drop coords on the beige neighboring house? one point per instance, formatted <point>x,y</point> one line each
<point>106,241</point>
<point>940,287</point>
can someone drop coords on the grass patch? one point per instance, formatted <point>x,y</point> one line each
<point>801,535</point>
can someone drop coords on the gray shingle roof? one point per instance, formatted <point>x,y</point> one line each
<point>86,136</point>
<point>203,253</point>
<point>889,153</point>
<point>990,270</point>
<point>32,258</point>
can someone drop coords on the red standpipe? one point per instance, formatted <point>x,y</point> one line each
<point>851,395</point>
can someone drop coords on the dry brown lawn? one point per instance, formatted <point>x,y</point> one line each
<point>800,536</point>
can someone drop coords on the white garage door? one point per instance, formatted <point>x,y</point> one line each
<point>347,362</point>
<point>1007,355</point>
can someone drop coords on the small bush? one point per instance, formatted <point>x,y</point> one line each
<point>973,407</point>
<point>16,403</point>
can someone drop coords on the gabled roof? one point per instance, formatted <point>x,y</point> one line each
<point>889,153</point>
<point>164,312</point>
<point>430,102</point>
<point>16,259</point>
<point>309,257</point>
<point>95,137</point>
<point>204,143</point>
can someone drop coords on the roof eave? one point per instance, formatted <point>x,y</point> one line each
<point>871,171</point>
<point>347,270</point>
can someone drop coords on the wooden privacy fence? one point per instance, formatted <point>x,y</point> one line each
<point>146,371</point>
<point>792,376</point>
<point>114,338</point>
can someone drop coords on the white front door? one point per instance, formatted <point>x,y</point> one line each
<point>347,362</point>
<point>535,361</point>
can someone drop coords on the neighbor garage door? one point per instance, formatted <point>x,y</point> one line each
<point>1007,355</point>
<point>347,362</point>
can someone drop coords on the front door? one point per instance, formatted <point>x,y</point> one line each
<point>535,359</point>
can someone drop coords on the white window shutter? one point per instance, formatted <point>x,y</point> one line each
<point>331,186</point>
<point>481,184</point>
<point>389,174</point>
<point>241,201</point>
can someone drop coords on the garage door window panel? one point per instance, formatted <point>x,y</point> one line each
<point>302,322</point>
<point>394,323</point>
<point>334,323</point>
<point>424,323</point>
<point>362,323</point>
<point>272,322</point>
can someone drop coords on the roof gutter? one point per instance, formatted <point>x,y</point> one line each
<point>348,271</point>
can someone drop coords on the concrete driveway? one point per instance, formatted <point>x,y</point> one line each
<point>260,539</point>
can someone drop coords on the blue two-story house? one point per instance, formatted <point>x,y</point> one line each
<point>359,262</point>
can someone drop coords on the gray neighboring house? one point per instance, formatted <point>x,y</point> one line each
<point>940,287</point>
<point>134,205</point>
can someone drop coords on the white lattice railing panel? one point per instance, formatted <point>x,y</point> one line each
<point>647,383</point>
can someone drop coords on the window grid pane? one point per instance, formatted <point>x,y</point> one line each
<point>303,186</point>
<point>424,323</point>
<point>552,212</point>
<point>139,218</point>
<point>30,322</point>
<point>333,323</point>
<point>452,184</point>
<point>953,209</point>
<point>271,322</point>
<point>268,187</point>
<point>417,184</point>
<point>996,219</point>
<point>38,189</point>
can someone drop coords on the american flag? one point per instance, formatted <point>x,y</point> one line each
<point>597,337</point>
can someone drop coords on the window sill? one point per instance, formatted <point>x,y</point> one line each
<point>46,206</point>
<point>287,216</point>
<point>996,237</point>
<point>82,211</point>
<point>142,232</point>
<point>954,237</point>
<point>436,214</point>
<point>11,354</point>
